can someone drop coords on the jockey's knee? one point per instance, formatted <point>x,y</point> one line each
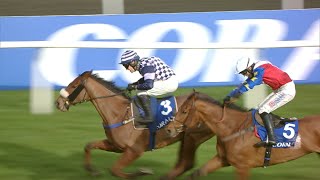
<point>263,110</point>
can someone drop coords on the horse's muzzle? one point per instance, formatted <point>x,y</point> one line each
<point>62,104</point>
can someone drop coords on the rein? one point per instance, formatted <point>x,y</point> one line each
<point>99,97</point>
<point>239,133</point>
<point>182,127</point>
<point>224,109</point>
<point>232,136</point>
<point>78,90</point>
<point>243,131</point>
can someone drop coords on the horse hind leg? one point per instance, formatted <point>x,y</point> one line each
<point>102,145</point>
<point>128,156</point>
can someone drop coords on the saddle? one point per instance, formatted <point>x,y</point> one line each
<point>277,121</point>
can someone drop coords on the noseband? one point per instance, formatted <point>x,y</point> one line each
<point>71,97</point>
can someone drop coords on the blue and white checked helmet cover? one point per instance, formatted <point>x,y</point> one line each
<point>128,56</point>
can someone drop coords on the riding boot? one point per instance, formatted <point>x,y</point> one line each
<point>145,104</point>
<point>269,127</point>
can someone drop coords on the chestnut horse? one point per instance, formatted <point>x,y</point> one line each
<point>114,107</point>
<point>235,145</point>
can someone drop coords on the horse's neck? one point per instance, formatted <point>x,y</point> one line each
<point>225,122</point>
<point>111,107</point>
<point>236,120</point>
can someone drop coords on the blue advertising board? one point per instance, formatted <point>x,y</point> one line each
<point>194,67</point>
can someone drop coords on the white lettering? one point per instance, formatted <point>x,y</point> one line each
<point>186,60</point>
<point>306,58</point>
<point>289,131</point>
<point>165,122</point>
<point>57,65</point>
<point>284,144</point>
<point>221,64</point>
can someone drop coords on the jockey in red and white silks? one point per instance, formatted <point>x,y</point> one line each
<point>258,72</point>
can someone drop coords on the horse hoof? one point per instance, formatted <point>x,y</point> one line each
<point>146,171</point>
<point>194,175</point>
<point>165,178</point>
<point>95,173</point>
<point>92,171</point>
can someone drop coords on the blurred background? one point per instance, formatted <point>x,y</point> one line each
<point>82,7</point>
<point>50,145</point>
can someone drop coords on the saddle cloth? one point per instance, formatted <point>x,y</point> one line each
<point>163,111</point>
<point>285,129</point>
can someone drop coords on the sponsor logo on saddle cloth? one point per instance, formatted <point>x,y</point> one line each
<point>286,134</point>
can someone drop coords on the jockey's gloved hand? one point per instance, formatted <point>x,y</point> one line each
<point>131,87</point>
<point>226,100</point>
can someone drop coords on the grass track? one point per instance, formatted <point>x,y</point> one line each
<point>50,147</point>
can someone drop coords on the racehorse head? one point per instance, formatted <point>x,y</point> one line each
<point>87,87</point>
<point>201,109</point>
<point>72,93</point>
<point>183,119</point>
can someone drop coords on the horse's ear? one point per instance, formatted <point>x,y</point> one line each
<point>194,97</point>
<point>194,90</point>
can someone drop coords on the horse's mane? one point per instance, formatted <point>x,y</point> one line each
<point>211,100</point>
<point>111,86</point>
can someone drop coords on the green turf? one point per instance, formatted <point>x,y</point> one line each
<point>49,147</point>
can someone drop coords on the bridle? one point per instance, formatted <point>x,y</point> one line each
<point>70,98</point>
<point>181,125</point>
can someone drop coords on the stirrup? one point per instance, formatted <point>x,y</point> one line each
<point>264,144</point>
<point>260,144</point>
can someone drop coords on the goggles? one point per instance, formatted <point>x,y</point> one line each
<point>126,65</point>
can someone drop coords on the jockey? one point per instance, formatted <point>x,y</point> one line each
<point>264,72</point>
<point>157,79</point>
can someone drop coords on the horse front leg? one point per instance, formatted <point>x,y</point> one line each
<point>185,161</point>
<point>102,145</point>
<point>215,163</point>
<point>242,173</point>
<point>126,158</point>
<point>187,151</point>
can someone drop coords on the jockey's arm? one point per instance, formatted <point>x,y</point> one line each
<point>148,73</point>
<point>249,83</point>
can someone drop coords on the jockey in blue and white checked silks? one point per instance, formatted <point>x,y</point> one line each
<point>157,78</point>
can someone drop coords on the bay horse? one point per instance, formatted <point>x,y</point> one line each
<point>114,106</point>
<point>235,145</point>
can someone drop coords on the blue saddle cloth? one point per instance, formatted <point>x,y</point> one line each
<point>163,111</point>
<point>285,135</point>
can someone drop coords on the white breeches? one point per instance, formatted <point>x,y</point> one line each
<point>278,98</point>
<point>161,87</point>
